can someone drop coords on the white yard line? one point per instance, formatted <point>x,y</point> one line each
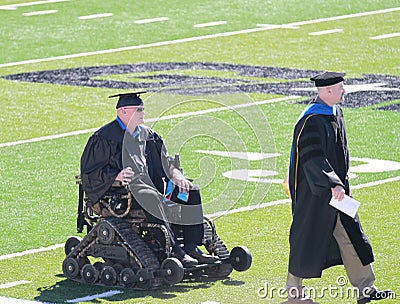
<point>39,13</point>
<point>12,284</point>
<point>386,36</point>
<point>163,43</point>
<point>187,114</point>
<point>376,183</point>
<point>95,16</point>
<point>5,300</point>
<point>357,15</point>
<point>32,140</point>
<point>30,251</point>
<point>144,21</point>
<point>278,26</point>
<point>332,31</point>
<point>131,48</point>
<point>96,296</point>
<point>208,24</point>
<point>15,6</point>
<point>249,208</point>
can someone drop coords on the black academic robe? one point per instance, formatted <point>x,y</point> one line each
<point>110,149</point>
<point>319,162</point>
<point>101,160</point>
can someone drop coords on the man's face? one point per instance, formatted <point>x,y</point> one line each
<point>333,94</point>
<point>133,116</point>
<point>338,92</point>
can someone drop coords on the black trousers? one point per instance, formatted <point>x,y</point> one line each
<point>192,219</point>
<point>187,216</point>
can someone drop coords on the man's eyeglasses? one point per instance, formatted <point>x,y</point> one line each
<point>137,109</point>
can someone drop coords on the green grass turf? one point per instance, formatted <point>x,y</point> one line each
<point>62,33</point>
<point>27,104</point>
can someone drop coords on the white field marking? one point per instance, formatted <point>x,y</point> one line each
<point>32,140</point>
<point>5,300</point>
<point>278,26</point>
<point>254,175</point>
<point>215,23</point>
<point>96,296</point>
<point>73,133</point>
<point>379,86</point>
<point>12,284</point>
<point>226,34</point>
<point>249,208</point>
<point>376,183</point>
<point>240,155</point>
<point>384,11</point>
<point>95,16</point>
<point>39,13</point>
<point>284,201</point>
<point>15,6</point>
<point>326,32</point>
<point>151,20</point>
<point>30,251</point>
<point>210,302</point>
<point>374,165</point>
<point>386,36</point>
<point>135,47</point>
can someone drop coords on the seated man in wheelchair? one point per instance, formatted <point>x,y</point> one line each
<point>125,150</point>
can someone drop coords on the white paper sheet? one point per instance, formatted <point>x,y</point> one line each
<point>347,205</point>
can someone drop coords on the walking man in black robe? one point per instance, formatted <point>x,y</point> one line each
<point>127,151</point>
<point>320,235</point>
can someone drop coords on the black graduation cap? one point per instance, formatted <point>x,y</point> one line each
<point>327,79</point>
<point>128,99</point>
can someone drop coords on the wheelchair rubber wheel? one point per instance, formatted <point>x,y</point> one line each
<point>128,278</point>
<point>108,276</point>
<point>118,268</point>
<point>240,258</point>
<point>70,268</point>
<point>99,266</point>
<point>89,274</point>
<point>143,279</point>
<point>174,271</point>
<point>71,243</point>
<point>106,233</point>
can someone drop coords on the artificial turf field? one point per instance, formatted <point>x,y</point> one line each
<point>216,92</point>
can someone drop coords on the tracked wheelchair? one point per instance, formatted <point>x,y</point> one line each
<point>127,251</point>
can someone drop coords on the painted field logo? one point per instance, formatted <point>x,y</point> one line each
<point>218,78</point>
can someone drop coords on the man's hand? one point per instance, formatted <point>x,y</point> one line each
<point>338,193</point>
<point>125,176</point>
<point>180,180</point>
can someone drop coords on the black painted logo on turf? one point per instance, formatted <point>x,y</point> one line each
<point>217,78</point>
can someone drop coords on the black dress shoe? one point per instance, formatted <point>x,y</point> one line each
<point>187,261</point>
<point>203,258</point>
<point>376,296</point>
<point>381,295</point>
